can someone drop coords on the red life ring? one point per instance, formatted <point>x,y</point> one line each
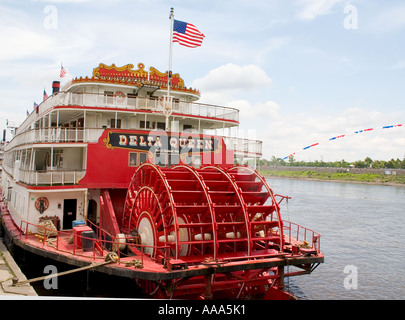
<point>119,96</point>
<point>41,204</point>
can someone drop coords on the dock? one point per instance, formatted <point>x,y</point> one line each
<point>9,270</point>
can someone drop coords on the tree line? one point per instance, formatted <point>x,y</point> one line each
<point>366,163</point>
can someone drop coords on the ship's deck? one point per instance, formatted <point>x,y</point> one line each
<point>136,264</point>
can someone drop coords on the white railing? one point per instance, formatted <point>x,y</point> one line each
<point>49,135</point>
<point>52,177</point>
<point>245,147</point>
<point>132,103</point>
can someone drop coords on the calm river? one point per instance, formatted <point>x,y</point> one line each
<point>363,230</point>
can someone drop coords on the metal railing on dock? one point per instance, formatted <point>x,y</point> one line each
<point>299,234</point>
<point>101,244</point>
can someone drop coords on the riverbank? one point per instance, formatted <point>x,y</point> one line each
<point>367,178</point>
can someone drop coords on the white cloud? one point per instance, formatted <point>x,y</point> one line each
<point>387,19</point>
<point>231,77</point>
<point>310,9</point>
<point>247,110</point>
<point>399,65</point>
<point>235,86</point>
<point>21,43</point>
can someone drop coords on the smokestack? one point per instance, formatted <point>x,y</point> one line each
<point>55,87</point>
<point>4,135</point>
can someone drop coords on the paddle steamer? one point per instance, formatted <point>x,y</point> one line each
<point>117,163</point>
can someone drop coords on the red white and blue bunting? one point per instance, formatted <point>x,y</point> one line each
<point>342,136</point>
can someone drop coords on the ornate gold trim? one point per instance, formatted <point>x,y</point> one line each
<point>106,141</point>
<point>154,71</point>
<point>127,68</point>
<point>126,75</point>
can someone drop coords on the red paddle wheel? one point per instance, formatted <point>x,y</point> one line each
<point>205,217</point>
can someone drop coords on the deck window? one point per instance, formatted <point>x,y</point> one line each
<point>142,157</point>
<point>161,126</point>
<point>116,125</point>
<point>133,159</point>
<point>144,124</point>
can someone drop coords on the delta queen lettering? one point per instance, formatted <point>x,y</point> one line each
<point>164,143</point>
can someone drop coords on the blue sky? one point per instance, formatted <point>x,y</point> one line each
<point>300,71</point>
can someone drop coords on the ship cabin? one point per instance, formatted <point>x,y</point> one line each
<point>124,100</point>
<point>97,130</point>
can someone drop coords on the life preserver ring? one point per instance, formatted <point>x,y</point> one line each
<point>119,96</point>
<point>41,204</point>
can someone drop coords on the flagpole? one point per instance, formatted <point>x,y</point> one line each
<point>169,74</point>
<point>168,106</point>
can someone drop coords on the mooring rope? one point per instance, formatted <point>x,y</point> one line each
<point>111,257</point>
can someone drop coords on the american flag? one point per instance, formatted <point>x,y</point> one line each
<point>62,71</point>
<point>186,34</point>
<point>45,95</point>
<point>35,105</point>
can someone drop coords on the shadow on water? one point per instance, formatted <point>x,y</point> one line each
<point>87,283</point>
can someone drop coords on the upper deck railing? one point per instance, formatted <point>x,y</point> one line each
<point>55,135</point>
<point>66,98</point>
<point>244,147</point>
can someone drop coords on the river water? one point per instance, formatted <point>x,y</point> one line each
<point>363,238</point>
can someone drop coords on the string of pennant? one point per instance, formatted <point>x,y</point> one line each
<point>62,74</point>
<point>342,136</point>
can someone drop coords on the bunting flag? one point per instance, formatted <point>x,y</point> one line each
<point>62,71</point>
<point>342,136</point>
<point>187,34</point>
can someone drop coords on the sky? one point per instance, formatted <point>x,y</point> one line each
<point>300,71</point>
